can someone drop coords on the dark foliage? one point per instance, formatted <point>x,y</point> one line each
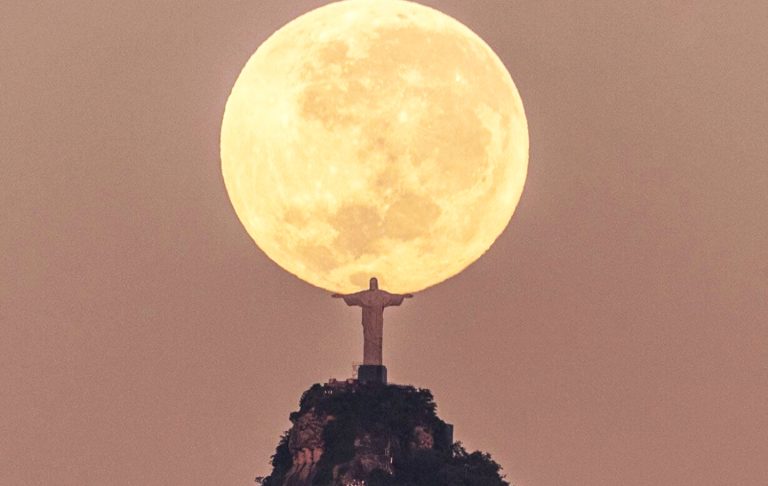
<point>392,412</point>
<point>459,468</point>
<point>281,463</point>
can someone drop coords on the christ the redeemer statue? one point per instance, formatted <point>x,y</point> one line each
<point>373,301</point>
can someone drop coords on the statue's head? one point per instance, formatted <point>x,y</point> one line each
<point>374,284</point>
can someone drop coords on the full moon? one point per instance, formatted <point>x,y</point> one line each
<point>374,138</point>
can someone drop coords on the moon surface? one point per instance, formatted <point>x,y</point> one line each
<point>374,138</point>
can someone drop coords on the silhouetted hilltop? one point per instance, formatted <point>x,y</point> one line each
<point>373,434</point>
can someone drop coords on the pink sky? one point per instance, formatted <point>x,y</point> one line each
<point>616,334</point>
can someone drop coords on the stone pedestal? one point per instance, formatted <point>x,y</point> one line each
<point>372,374</point>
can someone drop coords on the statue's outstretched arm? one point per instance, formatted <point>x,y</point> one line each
<point>351,299</point>
<point>397,299</point>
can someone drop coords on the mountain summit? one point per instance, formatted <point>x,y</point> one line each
<point>370,433</point>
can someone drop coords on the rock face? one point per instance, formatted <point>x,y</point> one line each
<point>351,433</point>
<point>305,443</point>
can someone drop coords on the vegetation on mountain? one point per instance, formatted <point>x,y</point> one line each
<point>392,414</point>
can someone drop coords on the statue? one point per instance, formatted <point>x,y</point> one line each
<point>373,301</point>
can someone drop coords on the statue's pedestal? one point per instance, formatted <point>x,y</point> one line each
<point>372,374</point>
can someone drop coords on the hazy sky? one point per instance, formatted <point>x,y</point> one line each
<point>616,333</point>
